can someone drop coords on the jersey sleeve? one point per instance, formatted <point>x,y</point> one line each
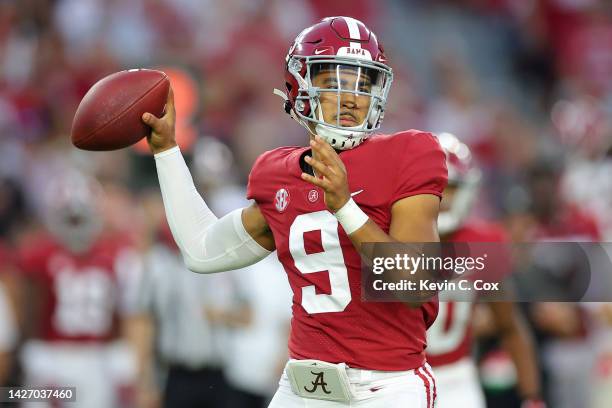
<point>422,166</point>
<point>254,177</point>
<point>259,178</point>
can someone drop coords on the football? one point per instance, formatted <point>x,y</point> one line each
<point>109,116</point>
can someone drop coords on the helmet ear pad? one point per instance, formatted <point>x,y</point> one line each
<point>293,91</point>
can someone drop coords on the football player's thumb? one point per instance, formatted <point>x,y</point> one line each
<point>150,120</point>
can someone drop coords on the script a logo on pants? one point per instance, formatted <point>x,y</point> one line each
<point>281,200</point>
<point>318,381</point>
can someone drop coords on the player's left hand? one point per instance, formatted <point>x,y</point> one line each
<point>330,174</point>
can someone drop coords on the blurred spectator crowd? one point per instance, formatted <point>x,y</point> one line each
<point>527,84</point>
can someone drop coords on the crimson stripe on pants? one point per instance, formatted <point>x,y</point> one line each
<point>433,381</point>
<point>426,383</point>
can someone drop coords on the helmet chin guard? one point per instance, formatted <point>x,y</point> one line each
<point>342,139</point>
<point>355,67</point>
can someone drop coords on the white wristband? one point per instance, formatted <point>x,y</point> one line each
<point>351,217</point>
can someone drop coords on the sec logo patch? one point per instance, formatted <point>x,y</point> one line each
<point>281,200</point>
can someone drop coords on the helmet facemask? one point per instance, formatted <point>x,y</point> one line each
<point>340,99</point>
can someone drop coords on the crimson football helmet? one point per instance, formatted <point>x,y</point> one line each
<point>464,176</point>
<point>335,45</point>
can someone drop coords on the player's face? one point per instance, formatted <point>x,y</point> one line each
<point>341,104</point>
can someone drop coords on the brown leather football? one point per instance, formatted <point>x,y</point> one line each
<point>109,116</point>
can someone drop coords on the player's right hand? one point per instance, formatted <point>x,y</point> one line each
<point>162,129</point>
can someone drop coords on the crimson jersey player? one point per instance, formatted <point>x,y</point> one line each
<point>316,206</point>
<point>78,294</point>
<point>78,286</point>
<point>323,267</point>
<point>449,339</point>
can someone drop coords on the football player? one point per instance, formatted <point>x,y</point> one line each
<point>77,282</point>
<point>565,330</point>
<point>317,205</point>
<point>449,339</point>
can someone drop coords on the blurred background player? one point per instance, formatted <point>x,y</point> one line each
<point>257,322</point>
<point>566,330</point>
<point>450,338</point>
<point>193,330</point>
<point>180,349</point>
<point>79,283</point>
<point>262,341</point>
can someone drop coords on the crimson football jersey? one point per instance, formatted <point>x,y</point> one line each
<point>449,339</point>
<point>330,321</point>
<point>80,295</point>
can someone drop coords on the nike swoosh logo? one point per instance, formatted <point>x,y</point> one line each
<point>317,52</point>
<point>356,192</point>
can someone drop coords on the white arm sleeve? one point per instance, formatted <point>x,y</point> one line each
<point>208,244</point>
